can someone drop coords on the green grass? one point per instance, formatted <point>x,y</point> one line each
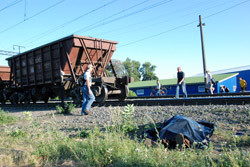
<point>110,148</point>
<point>40,145</point>
<point>113,148</point>
<point>6,118</point>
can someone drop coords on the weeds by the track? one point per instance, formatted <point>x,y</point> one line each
<point>40,145</point>
<point>6,118</point>
<point>67,109</point>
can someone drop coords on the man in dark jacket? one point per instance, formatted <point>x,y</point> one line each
<point>180,82</point>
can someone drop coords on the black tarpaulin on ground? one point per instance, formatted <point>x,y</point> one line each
<point>198,132</point>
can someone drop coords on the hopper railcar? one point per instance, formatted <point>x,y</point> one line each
<point>54,70</point>
<point>4,83</point>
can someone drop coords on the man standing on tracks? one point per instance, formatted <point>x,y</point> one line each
<point>210,82</point>
<point>158,88</point>
<point>180,82</point>
<point>88,97</point>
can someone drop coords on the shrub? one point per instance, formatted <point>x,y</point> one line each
<point>129,123</point>
<point>17,133</point>
<point>131,94</point>
<point>68,108</point>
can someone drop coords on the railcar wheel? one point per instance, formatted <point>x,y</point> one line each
<point>3,101</point>
<point>14,98</point>
<point>46,99</point>
<point>34,100</point>
<point>76,96</point>
<point>124,93</point>
<point>2,97</point>
<point>27,101</point>
<point>103,96</point>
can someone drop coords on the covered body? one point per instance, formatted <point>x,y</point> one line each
<point>199,132</point>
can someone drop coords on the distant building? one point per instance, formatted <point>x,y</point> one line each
<point>194,85</point>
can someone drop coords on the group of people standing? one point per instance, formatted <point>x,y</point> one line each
<point>209,83</point>
<point>89,98</point>
<point>181,82</point>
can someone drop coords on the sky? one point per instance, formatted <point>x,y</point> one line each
<point>162,32</point>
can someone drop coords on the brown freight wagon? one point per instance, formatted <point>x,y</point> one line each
<point>45,71</point>
<point>4,82</point>
<point>4,73</point>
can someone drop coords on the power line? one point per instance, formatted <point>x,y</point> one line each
<point>67,23</point>
<point>129,8</point>
<point>124,16</point>
<point>231,7</point>
<point>181,26</point>
<point>33,16</point>
<point>155,18</point>
<point>122,11</point>
<point>11,4</point>
<point>8,53</point>
<point>154,24</point>
<point>132,13</point>
<point>158,34</point>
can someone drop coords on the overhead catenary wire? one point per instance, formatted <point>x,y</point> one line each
<point>67,23</point>
<point>56,28</point>
<point>126,15</point>
<point>44,10</point>
<point>181,26</point>
<point>153,24</point>
<point>231,7</point>
<point>115,14</point>
<point>184,25</point>
<point>11,4</point>
<point>158,34</point>
<point>121,17</point>
<point>122,11</point>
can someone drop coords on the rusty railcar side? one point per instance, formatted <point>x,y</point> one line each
<point>41,71</point>
<point>43,65</point>
<point>4,82</point>
<point>4,73</point>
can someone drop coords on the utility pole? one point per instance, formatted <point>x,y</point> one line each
<point>19,47</point>
<point>203,50</point>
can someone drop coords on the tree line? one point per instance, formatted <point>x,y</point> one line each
<point>132,68</point>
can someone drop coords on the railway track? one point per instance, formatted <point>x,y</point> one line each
<point>198,95</point>
<point>239,100</point>
<point>160,101</point>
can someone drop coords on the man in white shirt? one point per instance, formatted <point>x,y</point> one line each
<point>88,97</point>
<point>209,81</point>
<point>158,88</point>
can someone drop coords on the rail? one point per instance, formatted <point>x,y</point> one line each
<point>230,100</point>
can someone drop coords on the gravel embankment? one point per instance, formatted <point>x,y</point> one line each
<point>226,116</point>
